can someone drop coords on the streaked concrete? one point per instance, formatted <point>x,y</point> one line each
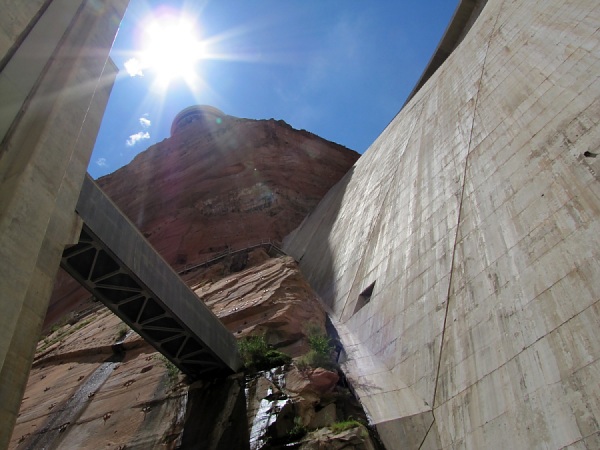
<point>49,120</point>
<point>476,215</point>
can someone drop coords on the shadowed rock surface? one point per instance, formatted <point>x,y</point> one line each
<point>225,184</point>
<point>81,396</point>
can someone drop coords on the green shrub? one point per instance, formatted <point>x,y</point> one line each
<point>258,355</point>
<point>122,331</point>
<point>298,431</point>
<point>320,343</point>
<point>172,370</point>
<point>251,346</point>
<point>319,354</point>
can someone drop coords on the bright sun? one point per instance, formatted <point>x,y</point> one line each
<point>171,50</point>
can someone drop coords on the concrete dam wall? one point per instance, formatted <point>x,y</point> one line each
<point>459,257</point>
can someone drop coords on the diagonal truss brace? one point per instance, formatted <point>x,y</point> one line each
<point>119,289</point>
<point>115,263</point>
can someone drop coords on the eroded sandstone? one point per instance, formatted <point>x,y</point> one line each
<point>96,384</point>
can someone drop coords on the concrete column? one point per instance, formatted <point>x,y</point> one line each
<point>57,76</point>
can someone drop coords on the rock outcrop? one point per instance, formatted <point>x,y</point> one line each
<point>95,384</point>
<point>215,187</point>
<point>203,198</point>
<point>227,185</point>
<point>270,299</point>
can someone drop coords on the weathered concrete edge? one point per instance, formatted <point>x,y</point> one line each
<point>130,247</point>
<point>459,26</point>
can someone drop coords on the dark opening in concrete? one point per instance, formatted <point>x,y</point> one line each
<point>364,297</point>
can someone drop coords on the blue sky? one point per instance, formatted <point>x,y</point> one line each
<point>340,69</point>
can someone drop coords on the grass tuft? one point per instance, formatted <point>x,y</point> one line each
<point>319,354</point>
<point>172,370</point>
<point>338,427</point>
<point>122,331</point>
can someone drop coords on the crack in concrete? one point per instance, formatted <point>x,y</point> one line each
<point>460,210</point>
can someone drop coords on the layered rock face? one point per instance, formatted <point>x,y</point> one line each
<point>226,183</point>
<point>217,185</point>
<point>94,384</point>
<point>263,299</point>
<point>204,193</point>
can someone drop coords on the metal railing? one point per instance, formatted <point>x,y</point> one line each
<point>273,248</point>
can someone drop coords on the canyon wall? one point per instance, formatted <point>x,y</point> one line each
<point>201,194</point>
<point>97,384</point>
<point>459,257</point>
<point>226,183</point>
<point>217,186</point>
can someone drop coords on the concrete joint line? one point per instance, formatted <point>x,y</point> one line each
<point>428,431</point>
<point>524,349</point>
<point>4,143</point>
<point>376,222</point>
<point>460,208</point>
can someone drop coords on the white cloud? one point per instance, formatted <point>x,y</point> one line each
<point>134,67</point>
<point>102,162</point>
<point>145,122</point>
<point>135,138</point>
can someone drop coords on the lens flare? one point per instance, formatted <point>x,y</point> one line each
<point>171,49</point>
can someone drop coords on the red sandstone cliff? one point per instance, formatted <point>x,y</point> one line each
<point>225,184</point>
<point>81,395</point>
<point>215,186</point>
<point>209,188</point>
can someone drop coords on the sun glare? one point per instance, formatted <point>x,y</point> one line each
<point>171,50</point>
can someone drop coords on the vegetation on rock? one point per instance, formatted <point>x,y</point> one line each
<point>172,370</point>
<point>320,351</point>
<point>338,427</point>
<point>258,355</point>
<point>122,331</point>
<point>298,432</point>
<point>59,332</point>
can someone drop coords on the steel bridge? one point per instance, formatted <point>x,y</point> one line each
<point>120,268</point>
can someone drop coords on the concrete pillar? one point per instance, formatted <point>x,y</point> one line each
<point>55,79</point>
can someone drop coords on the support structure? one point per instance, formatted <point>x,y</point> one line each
<point>55,79</point>
<point>117,265</point>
